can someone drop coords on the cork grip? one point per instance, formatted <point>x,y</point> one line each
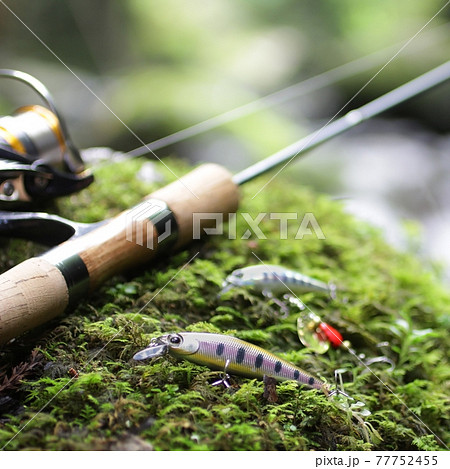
<point>31,293</point>
<point>36,291</point>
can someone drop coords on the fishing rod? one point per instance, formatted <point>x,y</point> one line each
<point>43,287</point>
<point>351,119</point>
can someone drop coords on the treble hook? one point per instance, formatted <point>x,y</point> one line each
<point>339,390</point>
<point>225,380</point>
<point>355,407</point>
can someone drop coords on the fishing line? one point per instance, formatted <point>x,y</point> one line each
<point>355,116</point>
<point>310,85</point>
<point>335,127</point>
<point>356,356</point>
<point>307,86</point>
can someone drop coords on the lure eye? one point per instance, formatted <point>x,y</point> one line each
<point>175,340</point>
<point>238,273</point>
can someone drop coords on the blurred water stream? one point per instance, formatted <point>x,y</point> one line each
<point>396,173</point>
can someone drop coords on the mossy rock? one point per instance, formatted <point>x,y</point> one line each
<point>80,389</point>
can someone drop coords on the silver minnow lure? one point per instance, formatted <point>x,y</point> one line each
<point>275,279</point>
<point>235,356</point>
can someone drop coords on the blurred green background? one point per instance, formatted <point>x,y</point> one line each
<point>160,66</point>
<point>164,65</point>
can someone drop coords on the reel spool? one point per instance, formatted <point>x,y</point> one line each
<point>34,132</point>
<point>38,160</point>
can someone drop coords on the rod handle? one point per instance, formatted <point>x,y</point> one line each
<point>31,293</point>
<point>41,288</point>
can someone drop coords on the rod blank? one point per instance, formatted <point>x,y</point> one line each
<point>404,92</point>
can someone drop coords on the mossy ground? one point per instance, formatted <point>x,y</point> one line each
<point>72,384</point>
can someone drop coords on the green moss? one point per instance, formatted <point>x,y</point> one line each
<point>88,394</point>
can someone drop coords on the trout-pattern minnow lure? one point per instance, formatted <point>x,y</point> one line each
<point>275,279</point>
<point>222,352</point>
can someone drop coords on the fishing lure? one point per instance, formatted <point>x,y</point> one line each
<point>312,331</point>
<point>316,334</point>
<point>223,352</point>
<point>273,279</point>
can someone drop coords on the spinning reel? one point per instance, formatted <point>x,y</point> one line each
<point>38,160</point>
